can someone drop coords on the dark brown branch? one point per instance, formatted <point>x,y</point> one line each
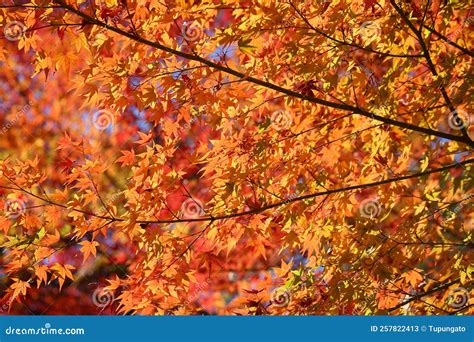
<point>432,67</point>
<point>270,206</point>
<point>424,294</point>
<point>343,42</point>
<point>449,41</point>
<point>318,194</point>
<point>87,18</point>
<point>464,308</point>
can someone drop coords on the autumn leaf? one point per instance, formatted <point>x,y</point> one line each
<point>128,158</point>
<point>89,247</point>
<point>246,47</point>
<point>257,158</point>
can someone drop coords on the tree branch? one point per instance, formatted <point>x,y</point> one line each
<point>432,67</point>
<point>424,294</point>
<point>343,42</point>
<point>87,18</point>
<point>449,41</point>
<point>270,206</point>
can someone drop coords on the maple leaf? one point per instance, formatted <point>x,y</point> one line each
<point>245,47</point>
<point>89,247</point>
<point>128,158</point>
<point>325,152</point>
<point>62,272</point>
<point>144,138</point>
<point>20,287</point>
<point>41,271</point>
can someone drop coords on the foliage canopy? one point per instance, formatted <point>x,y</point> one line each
<point>236,157</point>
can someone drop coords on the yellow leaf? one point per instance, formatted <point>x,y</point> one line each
<point>88,247</point>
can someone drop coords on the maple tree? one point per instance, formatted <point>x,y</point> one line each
<point>236,157</point>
